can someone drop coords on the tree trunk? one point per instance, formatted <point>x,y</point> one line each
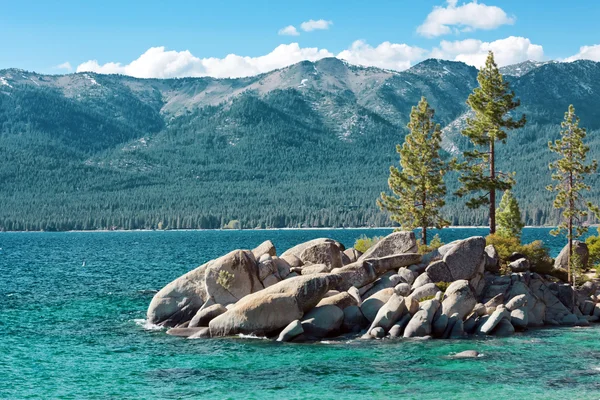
<point>493,189</point>
<point>424,221</point>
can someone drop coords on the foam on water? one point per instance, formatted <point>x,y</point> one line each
<point>147,325</point>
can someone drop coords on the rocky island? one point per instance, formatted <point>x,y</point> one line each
<point>319,289</point>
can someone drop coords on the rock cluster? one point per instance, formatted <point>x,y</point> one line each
<point>320,289</point>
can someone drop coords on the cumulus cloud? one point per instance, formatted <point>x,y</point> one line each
<point>289,30</point>
<point>312,25</point>
<point>586,53</point>
<point>464,18</point>
<point>387,55</point>
<point>507,51</point>
<point>65,66</point>
<point>157,62</point>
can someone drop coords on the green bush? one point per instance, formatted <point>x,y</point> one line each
<point>536,252</point>
<point>443,286</point>
<point>593,243</point>
<point>363,243</point>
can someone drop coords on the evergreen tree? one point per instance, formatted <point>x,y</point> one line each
<point>508,214</point>
<point>418,187</point>
<point>569,173</point>
<point>491,103</point>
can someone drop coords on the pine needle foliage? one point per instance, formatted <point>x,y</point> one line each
<point>570,171</point>
<point>418,186</point>
<point>492,104</point>
<point>508,214</point>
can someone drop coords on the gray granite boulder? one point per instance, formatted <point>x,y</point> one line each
<point>231,277</point>
<point>266,247</point>
<point>396,243</point>
<point>492,259</point>
<point>520,265</point>
<point>425,291</point>
<point>322,321</point>
<point>465,258</point>
<point>370,307</point>
<point>327,253</point>
<point>291,331</point>
<point>205,315</point>
<point>389,313</point>
<point>180,300</point>
<point>272,308</point>
<point>354,320</point>
<point>459,299</point>
<point>420,323</point>
<point>340,300</point>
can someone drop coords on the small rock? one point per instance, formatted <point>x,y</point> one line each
<point>520,265</point>
<point>291,331</point>
<point>402,289</point>
<point>378,332</point>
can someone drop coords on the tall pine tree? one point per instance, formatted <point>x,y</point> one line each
<point>569,173</point>
<point>419,187</point>
<point>491,104</point>
<point>510,223</point>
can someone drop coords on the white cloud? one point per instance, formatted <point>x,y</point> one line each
<point>66,66</point>
<point>387,55</point>
<point>465,18</point>
<point>586,53</point>
<point>289,30</point>
<point>312,25</point>
<point>507,51</point>
<point>157,62</point>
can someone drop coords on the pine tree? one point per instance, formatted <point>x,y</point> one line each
<point>419,187</point>
<point>508,214</point>
<point>491,103</point>
<point>570,171</point>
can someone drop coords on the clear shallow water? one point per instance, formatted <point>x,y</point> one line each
<point>72,331</point>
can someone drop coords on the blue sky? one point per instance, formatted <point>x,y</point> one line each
<point>193,38</point>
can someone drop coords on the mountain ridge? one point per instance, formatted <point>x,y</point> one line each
<point>305,145</point>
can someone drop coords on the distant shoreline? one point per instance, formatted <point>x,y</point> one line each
<point>258,230</point>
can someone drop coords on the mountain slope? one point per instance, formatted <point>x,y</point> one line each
<point>307,145</point>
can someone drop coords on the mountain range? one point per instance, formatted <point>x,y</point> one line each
<point>306,145</point>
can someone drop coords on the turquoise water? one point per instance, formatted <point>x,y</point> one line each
<point>76,332</point>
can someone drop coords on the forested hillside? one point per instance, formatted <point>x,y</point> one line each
<point>307,145</point>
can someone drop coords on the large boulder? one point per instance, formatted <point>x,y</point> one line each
<point>231,277</point>
<point>389,313</point>
<point>341,300</point>
<point>274,307</point>
<point>494,320</point>
<point>459,299</point>
<point>492,259</point>
<point>354,320</point>
<point>312,269</point>
<point>425,291</point>
<point>179,300</point>
<point>580,248</point>
<point>297,250</point>
<point>395,243</point>
<point>266,247</point>
<point>420,323</point>
<point>438,271</point>
<point>322,321</point>
<point>206,314</point>
<point>363,272</point>
<point>327,253</point>
<point>465,258</point>
<point>370,307</point>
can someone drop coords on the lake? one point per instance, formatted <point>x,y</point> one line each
<point>72,309</point>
